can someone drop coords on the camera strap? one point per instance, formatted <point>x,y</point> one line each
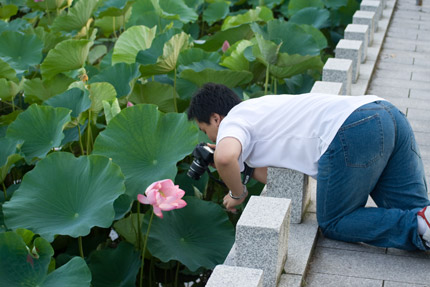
<point>247,173</point>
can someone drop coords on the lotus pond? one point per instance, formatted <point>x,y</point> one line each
<point>93,95</point>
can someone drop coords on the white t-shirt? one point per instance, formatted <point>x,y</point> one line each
<point>289,131</point>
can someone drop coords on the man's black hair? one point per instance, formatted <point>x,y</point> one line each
<point>211,98</point>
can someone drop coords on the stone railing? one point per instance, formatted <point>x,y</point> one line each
<point>262,250</point>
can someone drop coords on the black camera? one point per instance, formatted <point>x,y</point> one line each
<point>203,156</point>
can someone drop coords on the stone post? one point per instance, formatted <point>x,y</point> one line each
<point>350,49</point>
<point>359,33</point>
<point>339,70</point>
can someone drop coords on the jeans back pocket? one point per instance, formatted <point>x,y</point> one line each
<point>362,141</point>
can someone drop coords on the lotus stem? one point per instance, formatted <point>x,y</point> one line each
<point>80,140</point>
<point>174,93</point>
<point>144,248</point>
<point>89,132</point>
<point>4,190</point>
<point>276,86</point>
<point>139,227</point>
<point>267,80</point>
<point>81,248</point>
<point>113,27</point>
<point>47,11</point>
<point>177,274</point>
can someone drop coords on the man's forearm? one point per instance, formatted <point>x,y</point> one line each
<point>230,174</point>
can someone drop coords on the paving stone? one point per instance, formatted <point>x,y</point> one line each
<point>330,280</point>
<point>418,253</point>
<point>423,139</point>
<point>234,276</point>
<point>290,280</point>
<point>370,265</point>
<point>402,35</point>
<point>387,92</point>
<point>395,58</point>
<point>301,241</point>
<point>395,66</point>
<point>403,75</point>
<point>422,48</point>
<point>417,85</point>
<point>419,94</point>
<point>421,76</point>
<point>418,114</point>
<point>400,284</point>
<point>420,125</point>
<point>425,63</point>
<point>359,247</point>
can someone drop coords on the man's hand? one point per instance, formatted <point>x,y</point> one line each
<point>230,203</point>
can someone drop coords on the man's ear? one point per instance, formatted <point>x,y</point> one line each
<point>216,118</point>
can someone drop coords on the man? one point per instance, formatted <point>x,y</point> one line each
<point>353,146</point>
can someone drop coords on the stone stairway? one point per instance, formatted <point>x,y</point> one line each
<point>385,52</point>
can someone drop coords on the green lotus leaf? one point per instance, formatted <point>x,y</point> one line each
<point>7,11</point>
<point>113,8</point>
<point>155,93</point>
<point>317,17</point>
<point>267,3</point>
<point>189,235</point>
<point>143,13</point>
<point>226,77</point>
<point>8,89</point>
<point>168,61</point>
<point>215,12</point>
<point>335,4</point>
<point>111,110</point>
<point>318,36</point>
<point>150,56</point>
<point>266,51</point>
<point>121,76</point>
<point>49,5</point>
<point>146,144</point>
<point>294,38</point>
<point>75,18</point>
<point>66,56</point>
<point>20,266</point>
<point>193,55</point>
<point>68,196</point>
<point>131,42</point>
<point>74,273</point>
<point>343,15</point>
<point>175,9</point>
<point>259,14</point>
<point>20,51</point>
<point>129,229</point>
<point>74,99</point>
<point>8,156</point>
<point>232,35</point>
<point>234,58</point>
<point>50,38</point>
<point>17,24</point>
<point>115,267</point>
<point>7,72</point>
<point>38,90</point>
<point>96,53</point>
<point>41,129</point>
<point>110,24</point>
<point>296,5</point>
<point>100,92</point>
<point>290,65</point>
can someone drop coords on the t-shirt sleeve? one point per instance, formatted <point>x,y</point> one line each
<point>237,130</point>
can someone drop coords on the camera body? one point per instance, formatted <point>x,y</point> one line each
<point>203,156</point>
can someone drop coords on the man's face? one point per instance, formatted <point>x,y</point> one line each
<point>211,129</point>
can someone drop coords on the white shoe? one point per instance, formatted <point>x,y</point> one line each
<point>425,214</point>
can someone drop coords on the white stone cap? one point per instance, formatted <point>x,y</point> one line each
<point>369,3</point>
<point>265,212</point>
<point>349,44</point>
<point>338,64</point>
<point>357,28</point>
<point>235,276</point>
<point>324,87</point>
<point>364,14</point>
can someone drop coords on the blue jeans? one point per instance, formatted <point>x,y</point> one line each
<point>374,153</point>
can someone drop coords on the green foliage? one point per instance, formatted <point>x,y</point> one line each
<point>75,153</point>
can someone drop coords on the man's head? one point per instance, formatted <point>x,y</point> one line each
<point>209,105</point>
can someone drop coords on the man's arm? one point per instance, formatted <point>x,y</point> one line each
<point>260,174</point>
<point>226,157</point>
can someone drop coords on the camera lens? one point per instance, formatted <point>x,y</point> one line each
<point>196,170</point>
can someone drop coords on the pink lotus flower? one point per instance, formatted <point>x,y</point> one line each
<point>38,1</point>
<point>225,46</point>
<point>129,104</point>
<point>163,195</point>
